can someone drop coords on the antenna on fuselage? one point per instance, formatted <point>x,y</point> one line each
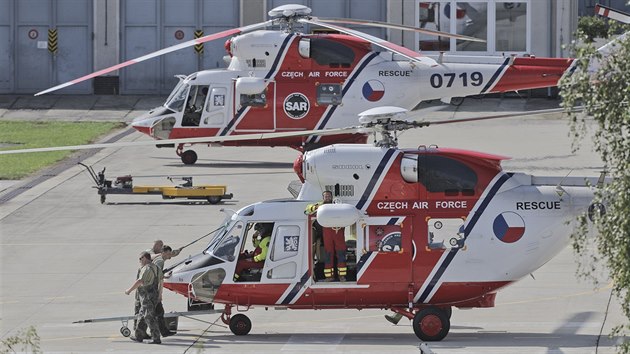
<point>559,188</point>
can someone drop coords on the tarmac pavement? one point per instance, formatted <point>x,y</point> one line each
<point>65,257</point>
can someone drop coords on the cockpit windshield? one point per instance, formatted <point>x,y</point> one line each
<point>224,244</point>
<point>177,98</point>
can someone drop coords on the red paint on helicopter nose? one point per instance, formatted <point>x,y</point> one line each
<point>142,128</point>
<point>180,288</point>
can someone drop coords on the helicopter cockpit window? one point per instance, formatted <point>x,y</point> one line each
<point>334,54</point>
<point>256,100</point>
<point>442,174</point>
<point>224,247</point>
<point>178,97</point>
<point>194,105</point>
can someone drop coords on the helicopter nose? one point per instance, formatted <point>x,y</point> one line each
<point>143,125</point>
<point>180,288</point>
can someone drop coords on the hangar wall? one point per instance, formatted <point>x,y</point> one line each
<point>92,35</point>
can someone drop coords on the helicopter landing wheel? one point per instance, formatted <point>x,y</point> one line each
<point>240,324</point>
<point>125,331</point>
<point>189,157</point>
<point>431,324</point>
<point>103,198</point>
<point>448,311</point>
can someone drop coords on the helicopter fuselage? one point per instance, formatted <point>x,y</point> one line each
<point>282,82</point>
<point>436,227</point>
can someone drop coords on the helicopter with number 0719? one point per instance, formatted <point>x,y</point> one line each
<point>282,80</point>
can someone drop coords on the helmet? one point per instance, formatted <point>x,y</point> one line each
<point>263,228</point>
<point>256,240</point>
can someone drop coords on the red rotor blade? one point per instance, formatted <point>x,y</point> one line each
<point>167,50</point>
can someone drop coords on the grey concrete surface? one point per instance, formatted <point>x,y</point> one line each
<point>65,257</point>
<point>76,107</point>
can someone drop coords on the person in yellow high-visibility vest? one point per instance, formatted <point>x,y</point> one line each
<point>255,259</point>
<point>327,197</point>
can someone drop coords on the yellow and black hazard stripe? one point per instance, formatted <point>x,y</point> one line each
<point>53,41</point>
<point>199,47</point>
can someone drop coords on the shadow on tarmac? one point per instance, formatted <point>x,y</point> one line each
<point>509,340</point>
<point>189,203</point>
<point>230,164</point>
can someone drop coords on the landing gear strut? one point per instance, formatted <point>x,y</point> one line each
<point>189,157</point>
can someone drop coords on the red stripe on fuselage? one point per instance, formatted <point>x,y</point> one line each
<point>296,74</point>
<point>466,294</point>
<point>379,294</point>
<point>179,133</point>
<point>532,73</point>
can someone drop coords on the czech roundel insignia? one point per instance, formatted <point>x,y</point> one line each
<point>508,227</point>
<point>373,90</point>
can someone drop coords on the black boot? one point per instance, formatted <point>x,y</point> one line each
<point>168,333</point>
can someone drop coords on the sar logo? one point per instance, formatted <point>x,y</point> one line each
<point>390,243</point>
<point>296,105</point>
<point>508,227</point>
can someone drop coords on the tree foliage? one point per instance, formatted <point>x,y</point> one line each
<point>25,341</point>
<point>604,91</point>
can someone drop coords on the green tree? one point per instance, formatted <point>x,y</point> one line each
<point>24,341</point>
<point>604,91</point>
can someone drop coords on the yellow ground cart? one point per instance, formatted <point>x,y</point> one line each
<point>124,185</point>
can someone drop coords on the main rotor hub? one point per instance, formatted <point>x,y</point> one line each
<point>387,121</point>
<point>288,15</point>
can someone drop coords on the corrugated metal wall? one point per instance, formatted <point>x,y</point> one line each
<point>150,25</point>
<point>27,63</point>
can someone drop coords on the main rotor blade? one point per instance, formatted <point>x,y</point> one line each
<point>405,52</point>
<point>507,115</point>
<point>213,139</point>
<point>160,52</point>
<point>612,13</point>
<point>400,27</point>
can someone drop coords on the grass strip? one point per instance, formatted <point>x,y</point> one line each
<point>27,135</point>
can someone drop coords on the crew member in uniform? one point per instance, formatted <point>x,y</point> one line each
<point>334,246</point>
<point>255,259</point>
<point>334,243</point>
<point>147,293</point>
<point>158,260</point>
<point>154,252</point>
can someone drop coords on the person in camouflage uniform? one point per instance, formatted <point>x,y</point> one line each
<point>147,294</point>
<point>154,251</point>
<point>158,260</point>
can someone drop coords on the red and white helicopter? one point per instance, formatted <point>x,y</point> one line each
<point>285,81</point>
<point>426,229</point>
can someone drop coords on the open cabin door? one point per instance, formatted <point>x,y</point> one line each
<point>384,250</point>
